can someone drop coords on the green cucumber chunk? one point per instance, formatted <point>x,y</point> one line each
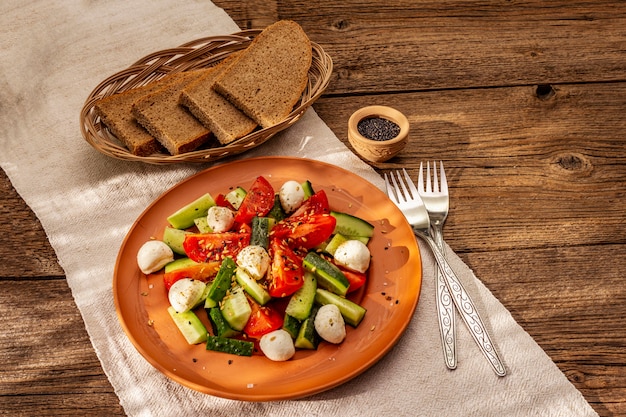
<point>349,225</point>
<point>189,325</point>
<point>221,284</point>
<point>302,300</point>
<point>174,238</point>
<point>252,287</point>
<point>235,197</point>
<point>328,275</point>
<point>291,325</point>
<point>307,187</point>
<point>277,212</point>
<point>232,346</point>
<point>307,336</point>
<point>179,263</point>
<point>352,312</point>
<point>184,217</point>
<point>236,309</point>
<point>334,243</point>
<point>220,326</point>
<point>203,225</point>
<point>260,235</point>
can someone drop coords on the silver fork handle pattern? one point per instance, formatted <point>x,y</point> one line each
<point>466,307</point>
<point>445,309</point>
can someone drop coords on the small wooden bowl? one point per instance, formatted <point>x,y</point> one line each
<point>378,150</point>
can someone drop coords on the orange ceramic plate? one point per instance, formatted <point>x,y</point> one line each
<point>390,295</point>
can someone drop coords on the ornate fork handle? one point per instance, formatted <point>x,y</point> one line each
<point>466,307</point>
<point>445,309</point>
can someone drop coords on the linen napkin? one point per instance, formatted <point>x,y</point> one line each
<point>52,55</point>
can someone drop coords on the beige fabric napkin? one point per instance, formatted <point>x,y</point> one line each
<point>52,55</point>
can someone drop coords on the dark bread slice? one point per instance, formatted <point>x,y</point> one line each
<point>269,76</point>
<point>169,122</point>
<point>216,113</point>
<point>115,111</point>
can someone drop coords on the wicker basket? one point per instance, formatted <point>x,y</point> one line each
<point>194,55</point>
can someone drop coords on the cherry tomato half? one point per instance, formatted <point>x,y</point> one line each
<point>207,247</point>
<point>258,201</point>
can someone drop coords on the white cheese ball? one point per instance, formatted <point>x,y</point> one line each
<point>291,196</point>
<point>220,219</point>
<point>329,324</point>
<point>254,260</point>
<point>277,345</point>
<point>353,255</point>
<point>154,255</point>
<point>185,294</point>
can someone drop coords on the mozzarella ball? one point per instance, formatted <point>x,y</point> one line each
<point>185,294</point>
<point>154,255</point>
<point>220,219</point>
<point>329,324</point>
<point>291,196</point>
<point>254,260</point>
<point>353,255</point>
<point>277,345</point>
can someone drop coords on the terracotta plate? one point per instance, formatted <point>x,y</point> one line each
<point>390,296</point>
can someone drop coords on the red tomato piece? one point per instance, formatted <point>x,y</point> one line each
<point>201,271</point>
<point>316,204</point>
<point>304,231</point>
<point>286,272</point>
<point>258,201</point>
<point>356,279</point>
<point>264,319</point>
<point>207,247</point>
<point>221,201</point>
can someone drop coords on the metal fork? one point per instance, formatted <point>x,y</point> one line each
<point>436,201</point>
<point>406,197</point>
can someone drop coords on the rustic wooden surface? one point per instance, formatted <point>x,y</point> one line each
<point>523,101</point>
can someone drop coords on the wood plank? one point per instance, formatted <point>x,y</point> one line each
<point>421,45</point>
<point>22,238</point>
<point>48,364</point>
<point>524,172</point>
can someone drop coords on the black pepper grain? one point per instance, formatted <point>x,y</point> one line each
<point>378,128</point>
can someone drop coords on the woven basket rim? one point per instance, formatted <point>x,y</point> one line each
<point>196,54</point>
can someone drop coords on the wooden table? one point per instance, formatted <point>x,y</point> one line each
<point>525,104</point>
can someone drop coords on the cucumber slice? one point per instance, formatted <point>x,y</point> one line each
<point>189,325</point>
<point>308,189</point>
<point>232,346</point>
<point>291,325</point>
<point>203,225</point>
<point>221,283</point>
<point>235,197</point>
<point>220,326</point>
<point>301,301</point>
<point>252,287</point>
<point>174,238</point>
<point>349,225</point>
<point>183,217</point>
<point>179,264</point>
<point>307,336</point>
<point>261,231</point>
<point>352,312</point>
<point>328,275</point>
<point>277,212</point>
<point>334,243</point>
<point>236,309</point>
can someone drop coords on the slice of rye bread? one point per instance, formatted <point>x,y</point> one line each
<point>216,113</point>
<point>268,78</point>
<point>115,111</point>
<point>169,122</point>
